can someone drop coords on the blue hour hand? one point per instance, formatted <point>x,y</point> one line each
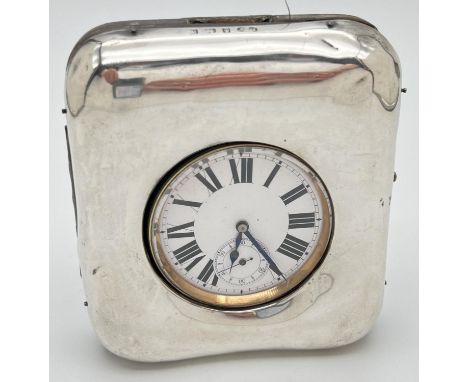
<point>235,253</point>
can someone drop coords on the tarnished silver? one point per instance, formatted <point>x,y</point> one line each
<point>143,95</point>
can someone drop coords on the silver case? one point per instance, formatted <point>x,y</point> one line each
<point>141,96</point>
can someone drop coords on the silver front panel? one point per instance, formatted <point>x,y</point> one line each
<point>142,96</point>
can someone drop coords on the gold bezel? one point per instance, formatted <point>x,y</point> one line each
<point>219,301</point>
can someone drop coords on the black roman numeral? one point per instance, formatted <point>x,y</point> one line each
<point>206,273</point>
<point>186,203</point>
<point>304,220</point>
<point>172,232</point>
<point>235,175</point>
<point>295,193</point>
<point>272,175</point>
<point>246,170</point>
<point>293,247</point>
<point>213,187</point>
<point>187,251</point>
<point>194,262</point>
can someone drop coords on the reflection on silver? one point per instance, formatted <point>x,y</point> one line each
<point>143,95</point>
<point>190,58</point>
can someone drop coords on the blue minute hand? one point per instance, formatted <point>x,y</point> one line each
<point>273,266</point>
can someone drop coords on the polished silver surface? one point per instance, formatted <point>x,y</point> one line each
<point>142,96</point>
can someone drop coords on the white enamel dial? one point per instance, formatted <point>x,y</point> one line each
<point>239,225</point>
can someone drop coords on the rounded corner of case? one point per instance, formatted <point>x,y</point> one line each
<point>360,334</point>
<point>354,327</point>
<point>83,64</point>
<point>112,346</point>
<point>378,56</point>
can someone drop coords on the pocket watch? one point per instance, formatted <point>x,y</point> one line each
<point>238,225</point>
<point>232,181</point>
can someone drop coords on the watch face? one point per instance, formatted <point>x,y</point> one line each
<point>238,225</point>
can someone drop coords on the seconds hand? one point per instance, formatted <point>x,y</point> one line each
<point>233,266</point>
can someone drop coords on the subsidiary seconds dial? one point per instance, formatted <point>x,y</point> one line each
<point>238,225</point>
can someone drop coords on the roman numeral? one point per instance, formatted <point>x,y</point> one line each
<point>213,187</point>
<point>206,273</point>
<point>172,232</point>
<point>246,170</point>
<point>235,175</point>
<point>187,251</point>
<point>272,175</point>
<point>293,247</point>
<point>295,193</point>
<point>193,263</point>
<point>186,203</point>
<point>304,220</point>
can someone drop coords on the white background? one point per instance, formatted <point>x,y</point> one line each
<point>388,353</point>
